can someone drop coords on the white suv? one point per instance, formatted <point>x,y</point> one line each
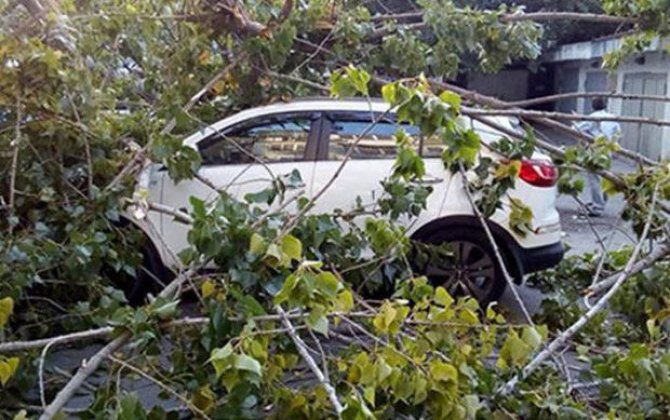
<point>313,136</point>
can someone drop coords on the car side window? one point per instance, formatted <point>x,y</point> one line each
<point>377,142</point>
<point>280,138</point>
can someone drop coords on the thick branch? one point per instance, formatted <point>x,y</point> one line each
<point>658,253</point>
<point>302,349</point>
<point>562,338</point>
<point>90,366</point>
<point>492,102</point>
<point>86,369</point>
<point>564,116</point>
<point>571,95</point>
<point>516,17</point>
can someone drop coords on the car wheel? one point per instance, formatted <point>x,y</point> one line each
<point>150,276</point>
<point>467,265</point>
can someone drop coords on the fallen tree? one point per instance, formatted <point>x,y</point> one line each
<point>81,118</point>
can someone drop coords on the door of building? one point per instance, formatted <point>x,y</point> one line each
<point>644,138</point>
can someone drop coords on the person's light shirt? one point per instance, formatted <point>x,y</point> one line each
<point>610,129</point>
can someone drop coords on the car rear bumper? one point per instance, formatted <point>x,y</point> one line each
<point>540,258</point>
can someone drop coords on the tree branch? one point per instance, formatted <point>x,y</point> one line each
<point>658,253</point>
<point>138,157</point>
<point>16,145</point>
<point>562,115</point>
<point>494,245</point>
<point>302,349</point>
<point>90,366</point>
<point>85,370</point>
<point>571,95</point>
<point>516,17</point>
<point>562,338</point>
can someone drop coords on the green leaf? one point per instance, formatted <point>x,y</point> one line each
<point>221,359</point>
<point>249,364</point>
<point>444,372</point>
<point>291,247</point>
<point>289,285</point>
<point>452,99</point>
<point>442,297</point>
<point>531,337</point>
<point>208,288</point>
<point>130,408</point>
<point>6,309</point>
<point>273,255</point>
<point>8,369</point>
<point>390,93</point>
<point>514,351</point>
<point>165,310</point>
<point>256,244</point>
<point>327,283</point>
<point>344,301</point>
<point>320,324</point>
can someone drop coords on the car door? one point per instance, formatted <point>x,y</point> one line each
<point>371,161</point>
<point>243,159</point>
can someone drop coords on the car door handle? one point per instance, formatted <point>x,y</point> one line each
<point>428,180</point>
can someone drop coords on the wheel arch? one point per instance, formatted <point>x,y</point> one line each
<point>504,240</point>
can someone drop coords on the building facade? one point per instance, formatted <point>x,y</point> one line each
<point>578,68</point>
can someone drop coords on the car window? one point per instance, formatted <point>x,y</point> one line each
<point>269,139</point>
<point>377,142</point>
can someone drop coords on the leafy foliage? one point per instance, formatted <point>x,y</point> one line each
<point>86,86</point>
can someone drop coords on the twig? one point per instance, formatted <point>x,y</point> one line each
<point>297,79</point>
<point>87,148</point>
<point>178,215</point>
<point>560,340</point>
<point>609,175</point>
<point>16,144</point>
<point>139,155</point>
<point>494,245</point>
<point>161,385</point>
<point>290,224</point>
<point>302,349</point>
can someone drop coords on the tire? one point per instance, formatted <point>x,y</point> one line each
<point>151,275</point>
<point>467,266</point>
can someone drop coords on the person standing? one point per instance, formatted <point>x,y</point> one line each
<point>610,130</point>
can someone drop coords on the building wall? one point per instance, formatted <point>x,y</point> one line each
<point>648,74</point>
<point>508,84</point>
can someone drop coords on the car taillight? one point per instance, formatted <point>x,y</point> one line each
<point>540,173</point>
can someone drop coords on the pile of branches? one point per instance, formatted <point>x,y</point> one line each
<point>279,305</point>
